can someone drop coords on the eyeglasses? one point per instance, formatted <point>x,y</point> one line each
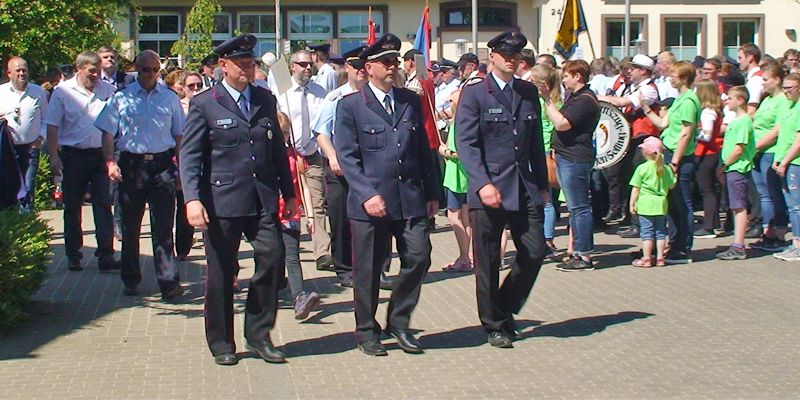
<point>790,88</point>
<point>389,62</point>
<point>194,86</point>
<point>303,64</point>
<point>149,70</point>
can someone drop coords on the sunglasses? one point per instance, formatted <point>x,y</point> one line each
<point>303,64</point>
<point>149,70</point>
<point>194,85</point>
<point>389,62</point>
<point>790,88</point>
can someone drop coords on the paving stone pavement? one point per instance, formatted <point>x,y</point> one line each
<point>711,329</point>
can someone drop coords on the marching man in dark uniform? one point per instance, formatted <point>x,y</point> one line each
<point>384,153</point>
<point>234,166</point>
<point>501,147</point>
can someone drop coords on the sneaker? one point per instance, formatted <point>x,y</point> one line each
<point>630,233</point>
<point>754,232</point>
<point>575,264</point>
<point>793,254</point>
<point>761,243</point>
<point>677,257</point>
<point>788,250</point>
<point>704,234</point>
<point>552,252</point>
<point>304,303</point>
<point>733,253</point>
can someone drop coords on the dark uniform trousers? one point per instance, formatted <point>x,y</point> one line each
<point>82,167</point>
<point>148,179</point>
<point>341,237</point>
<point>184,231</point>
<point>372,239</point>
<point>497,303</point>
<point>222,239</point>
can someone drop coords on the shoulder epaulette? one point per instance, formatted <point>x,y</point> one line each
<point>472,81</point>
<point>334,95</point>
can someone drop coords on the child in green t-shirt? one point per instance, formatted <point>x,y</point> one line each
<point>738,152</point>
<point>651,183</point>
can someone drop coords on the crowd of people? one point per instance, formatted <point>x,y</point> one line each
<point>370,152</point>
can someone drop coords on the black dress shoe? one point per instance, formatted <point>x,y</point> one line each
<point>131,290</point>
<point>386,282</point>
<point>511,330</point>
<point>110,264</point>
<point>75,265</point>
<point>173,293</point>
<point>226,359</point>
<point>499,339</point>
<point>406,341</point>
<point>266,351</point>
<point>325,263</point>
<point>373,347</point>
<point>612,216</point>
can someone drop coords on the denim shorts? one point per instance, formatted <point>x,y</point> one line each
<point>737,183</point>
<point>455,200</point>
<point>653,227</point>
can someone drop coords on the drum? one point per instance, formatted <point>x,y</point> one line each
<point>611,137</point>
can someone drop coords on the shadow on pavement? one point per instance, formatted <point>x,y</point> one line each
<point>585,326</point>
<point>330,344</point>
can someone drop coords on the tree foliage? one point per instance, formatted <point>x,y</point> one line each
<point>195,42</point>
<point>53,32</point>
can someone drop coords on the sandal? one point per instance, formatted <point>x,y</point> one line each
<point>643,262</point>
<point>661,262</point>
<point>457,266</point>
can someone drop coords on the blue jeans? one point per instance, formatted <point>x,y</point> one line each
<point>574,178</point>
<point>681,213</point>
<point>28,161</point>
<point>768,184</point>
<point>653,227</point>
<point>791,193</point>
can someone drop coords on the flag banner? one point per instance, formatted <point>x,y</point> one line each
<point>423,40</point>
<point>573,22</point>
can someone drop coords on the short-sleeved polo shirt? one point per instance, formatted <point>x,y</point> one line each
<point>789,118</point>
<point>740,131</point>
<point>686,108</point>
<point>582,111</point>
<point>767,116</point>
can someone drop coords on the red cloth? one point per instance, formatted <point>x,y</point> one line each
<point>298,196</point>
<point>428,103</point>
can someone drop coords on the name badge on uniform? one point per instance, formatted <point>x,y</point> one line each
<point>269,134</point>
<point>227,121</point>
<point>495,111</point>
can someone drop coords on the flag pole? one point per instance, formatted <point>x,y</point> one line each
<point>591,46</point>
<point>474,27</point>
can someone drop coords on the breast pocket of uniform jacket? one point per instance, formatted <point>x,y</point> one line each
<point>497,125</point>
<point>529,117</point>
<point>226,133</point>
<point>374,137</point>
<point>269,129</point>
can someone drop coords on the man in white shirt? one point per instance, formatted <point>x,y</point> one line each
<point>449,73</point>
<point>665,89</point>
<point>326,75</point>
<point>301,103</point>
<point>749,57</point>
<point>528,61</point>
<point>22,105</point>
<point>75,147</point>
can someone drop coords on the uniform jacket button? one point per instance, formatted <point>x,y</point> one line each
<point>254,174</point>
<point>398,145</point>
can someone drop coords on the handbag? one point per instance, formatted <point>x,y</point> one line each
<point>552,178</point>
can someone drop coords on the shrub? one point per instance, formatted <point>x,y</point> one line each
<point>24,254</point>
<point>43,199</point>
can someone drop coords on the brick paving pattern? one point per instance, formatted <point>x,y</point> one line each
<point>711,329</point>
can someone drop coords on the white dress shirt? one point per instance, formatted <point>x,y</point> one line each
<point>665,89</point>
<point>755,86</point>
<point>443,91</point>
<point>381,95</point>
<point>303,139</point>
<point>648,92</point>
<point>73,110</point>
<point>24,112</point>
<point>326,78</point>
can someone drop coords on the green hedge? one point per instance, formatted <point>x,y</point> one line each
<point>43,199</point>
<point>24,255</point>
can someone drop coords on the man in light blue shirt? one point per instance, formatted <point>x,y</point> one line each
<point>150,120</point>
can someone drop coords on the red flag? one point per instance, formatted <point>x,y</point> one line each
<point>371,26</point>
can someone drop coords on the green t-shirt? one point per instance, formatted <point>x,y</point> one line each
<point>740,131</point>
<point>767,116</point>
<point>455,178</point>
<point>653,189</point>
<point>790,124</point>
<point>547,126</point>
<point>686,108</point>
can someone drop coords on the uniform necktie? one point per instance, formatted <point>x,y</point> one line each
<point>244,106</point>
<point>507,92</point>
<point>387,104</point>
<point>306,117</point>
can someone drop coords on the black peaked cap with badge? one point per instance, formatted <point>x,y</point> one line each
<point>238,47</point>
<point>322,48</point>
<point>352,58</point>
<point>447,64</point>
<point>508,42</point>
<point>210,60</point>
<point>386,45</point>
<point>467,58</point>
<point>336,59</point>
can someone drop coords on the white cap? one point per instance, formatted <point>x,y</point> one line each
<point>269,58</point>
<point>643,61</point>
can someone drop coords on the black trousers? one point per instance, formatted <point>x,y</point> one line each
<point>373,241</point>
<point>497,303</point>
<point>341,237</point>
<point>184,232</point>
<point>707,179</point>
<point>148,181</point>
<point>82,167</point>
<point>222,239</point>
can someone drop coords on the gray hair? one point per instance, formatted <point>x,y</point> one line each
<point>293,59</point>
<point>86,57</point>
